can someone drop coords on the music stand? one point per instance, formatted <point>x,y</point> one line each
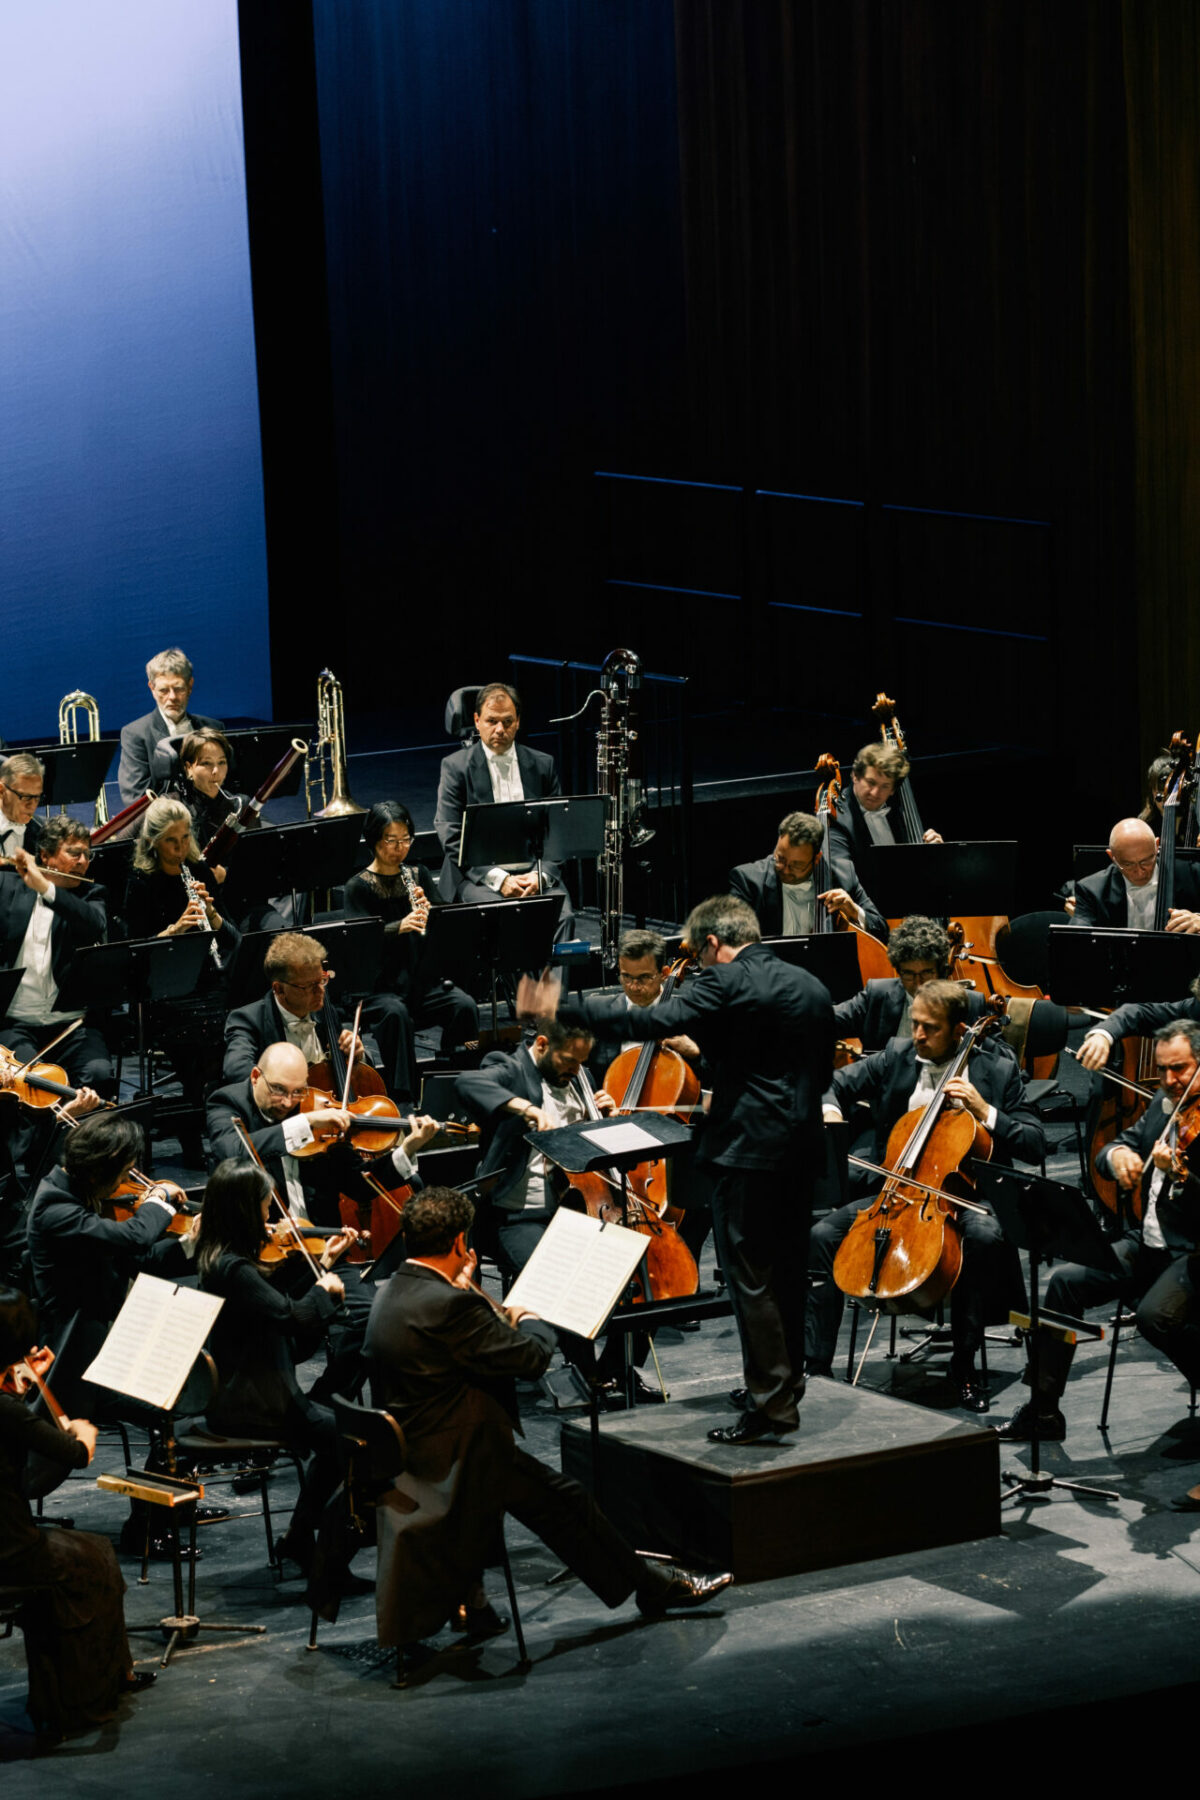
<point>75,773</point>
<point>830,956</point>
<point>1100,965</point>
<point>1049,1220</point>
<point>941,881</point>
<point>300,858</point>
<point>257,750</point>
<point>137,970</point>
<point>566,828</point>
<point>354,947</point>
<point>490,941</point>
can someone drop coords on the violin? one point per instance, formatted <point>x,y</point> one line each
<point>873,963</point>
<point>356,1088</point>
<point>129,1195</point>
<point>29,1372</point>
<point>903,1253</point>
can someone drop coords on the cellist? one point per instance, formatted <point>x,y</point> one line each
<point>782,888</point>
<point>893,1082</point>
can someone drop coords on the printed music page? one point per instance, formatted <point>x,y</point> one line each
<point>616,1138</point>
<point>155,1339</point>
<point>578,1272</point>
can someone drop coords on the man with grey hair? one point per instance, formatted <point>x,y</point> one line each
<point>1126,894</point>
<point>766,1031</point>
<point>21,779</point>
<point>150,745</point>
<point>786,888</point>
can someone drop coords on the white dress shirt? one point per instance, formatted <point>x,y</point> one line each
<point>34,1001</point>
<point>505,772</point>
<point>302,1033</point>
<point>1140,903</point>
<point>879,825</point>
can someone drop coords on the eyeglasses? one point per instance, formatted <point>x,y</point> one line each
<point>394,843</point>
<point>292,1095</point>
<point>307,987</point>
<point>639,980</point>
<point>25,798</point>
<point>1134,868</point>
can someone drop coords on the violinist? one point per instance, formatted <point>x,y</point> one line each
<point>1125,895</point>
<point>893,1082</point>
<point>1157,1256</point>
<point>292,1010</point>
<point>920,951</point>
<point>149,744</point>
<point>75,1643</point>
<point>46,914</point>
<point>766,1032</point>
<point>21,779</point>
<point>14,1209</point>
<point>866,815</point>
<point>782,889</point>
<point>204,761</point>
<point>260,1335</point>
<point>408,996</point>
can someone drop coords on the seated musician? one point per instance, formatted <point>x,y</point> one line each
<point>408,996</point>
<point>14,1198</point>
<point>444,1360</point>
<point>21,778</point>
<point>1136,1019</point>
<point>920,951</point>
<point>1157,1256</point>
<point>148,744</point>
<point>46,914</point>
<point>158,900</point>
<point>74,1629</point>
<point>782,889</point>
<point>260,1335</point>
<point>204,760</point>
<point>866,814</point>
<point>1125,895</point>
<point>496,768</point>
<point>893,1082</point>
<point>292,1009</point>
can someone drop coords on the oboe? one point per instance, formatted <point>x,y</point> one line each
<point>193,893</point>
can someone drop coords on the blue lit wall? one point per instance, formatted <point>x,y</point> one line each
<point>131,511</point>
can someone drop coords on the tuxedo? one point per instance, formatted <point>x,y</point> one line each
<point>1102,899</point>
<point>444,1365</point>
<point>33,832</point>
<point>76,919</point>
<point>147,760</point>
<point>849,835</point>
<point>484,1093</point>
<point>248,1031</point>
<point>874,1015</point>
<point>466,780</point>
<point>758,884</point>
<point>886,1080</point>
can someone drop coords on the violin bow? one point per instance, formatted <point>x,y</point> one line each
<point>284,1214</point>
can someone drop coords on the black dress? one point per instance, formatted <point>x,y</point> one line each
<point>75,1643</point>
<point>207,818</point>
<point>185,1028</point>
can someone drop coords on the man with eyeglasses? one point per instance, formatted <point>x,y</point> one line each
<point>920,951</point>
<point>150,745</point>
<point>1126,894</point>
<point>289,1012</point>
<point>21,778</point>
<point>786,888</point>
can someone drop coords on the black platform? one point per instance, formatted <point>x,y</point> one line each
<point>864,1476</point>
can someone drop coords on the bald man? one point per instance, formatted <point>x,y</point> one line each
<point>1125,895</point>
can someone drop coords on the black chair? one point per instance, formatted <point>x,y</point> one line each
<point>1043,1032</point>
<point>1120,1318</point>
<point>461,708</point>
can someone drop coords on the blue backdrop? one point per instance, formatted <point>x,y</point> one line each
<point>130,468</point>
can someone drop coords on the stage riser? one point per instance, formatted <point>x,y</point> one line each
<point>865,1477</point>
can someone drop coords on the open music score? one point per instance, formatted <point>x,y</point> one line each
<point>578,1272</point>
<point>155,1339</point>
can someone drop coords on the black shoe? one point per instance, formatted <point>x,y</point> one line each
<point>210,1515</point>
<point>971,1396</point>
<point>611,1394</point>
<point>137,1681</point>
<point>479,1622</point>
<point>1185,1503</point>
<point>742,1400</point>
<point>751,1428</point>
<point>1051,1426</point>
<point>671,1587</point>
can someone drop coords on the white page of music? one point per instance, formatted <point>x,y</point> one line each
<point>155,1339</point>
<point>576,1274</point>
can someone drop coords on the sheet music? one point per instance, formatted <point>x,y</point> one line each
<point>616,1138</point>
<point>155,1339</point>
<point>578,1272</point>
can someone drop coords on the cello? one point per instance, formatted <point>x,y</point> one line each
<point>873,963</point>
<point>651,1078</point>
<point>903,1253</point>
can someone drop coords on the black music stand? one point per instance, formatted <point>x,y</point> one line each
<point>830,956</point>
<point>257,750</point>
<point>941,880</point>
<point>572,1148</point>
<point>1048,1219</point>
<point>1100,965</point>
<point>566,828</point>
<point>138,971</point>
<point>353,947</point>
<point>305,857</point>
<point>110,865</point>
<point>490,941</point>
<point>75,773</point>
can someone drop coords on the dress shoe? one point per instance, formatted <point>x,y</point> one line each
<point>1051,1426</point>
<point>742,1400</point>
<point>1185,1503</point>
<point>137,1681</point>
<point>211,1515</point>
<point>751,1428</point>
<point>971,1396</point>
<point>670,1588</point>
<point>611,1394</point>
<point>479,1622</point>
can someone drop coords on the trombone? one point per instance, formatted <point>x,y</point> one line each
<point>69,708</point>
<point>331,741</point>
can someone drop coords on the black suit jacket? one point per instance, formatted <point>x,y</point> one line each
<point>886,1080</point>
<point>143,765</point>
<point>1178,1208</point>
<point>33,832</point>
<point>873,1014</point>
<point>1102,899</point>
<point>766,1032</point>
<point>848,833</point>
<point>757,883</point>
<point>484,1093</point>
<point>465,781</point>
<point>76,919</point>
<point>248,1031</point>
<point>1136,1019</point>
<point>336,1171</point>
<point>443,1364</point>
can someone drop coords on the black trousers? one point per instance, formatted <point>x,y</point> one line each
<point>568,1521</point>
<point>1162,1282</point>
<point>394,1023</point>
<point>761,1222</point>
<point>474,893</point>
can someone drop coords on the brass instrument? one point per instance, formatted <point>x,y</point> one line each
<point>331,737</point>
<point>69,707</point>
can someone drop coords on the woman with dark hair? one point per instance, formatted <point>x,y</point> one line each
<point>75,1644</point>
<point>204,761</point>
<point>260,1335</point>
<point>409,995</point>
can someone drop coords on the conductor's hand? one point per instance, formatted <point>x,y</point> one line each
<point>968,1095</point>
<point>1126,1166</point>
<point>538,999</point>
<point>1094,1051</point>
<point>683,1046</point>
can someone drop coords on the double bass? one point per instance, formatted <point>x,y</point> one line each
<point>873,964</point>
